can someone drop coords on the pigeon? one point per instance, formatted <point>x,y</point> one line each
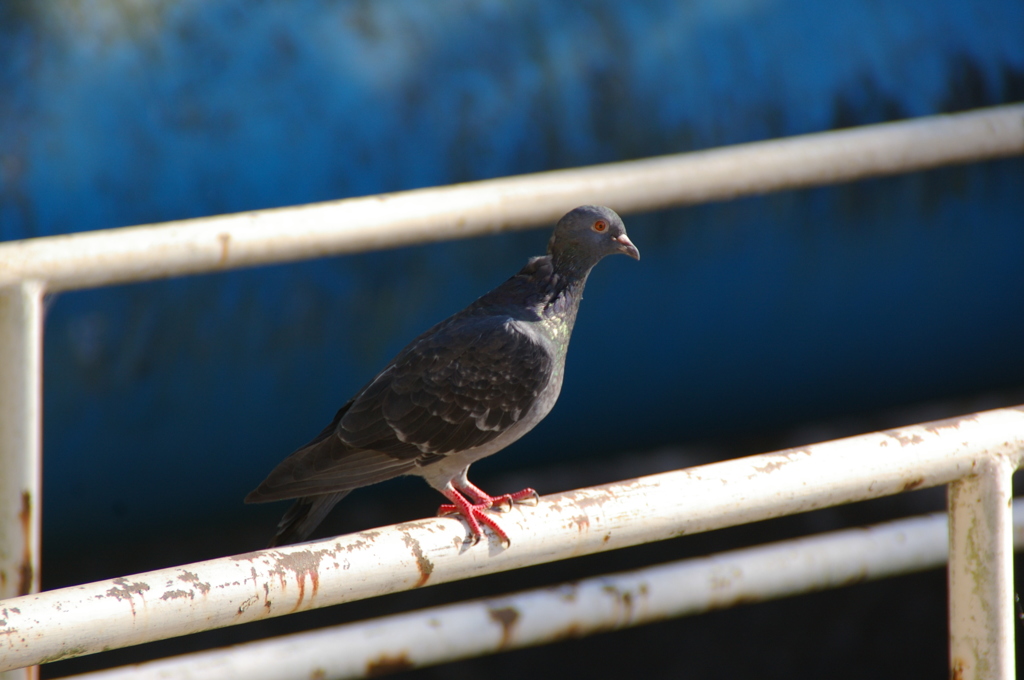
<point>463,390</point>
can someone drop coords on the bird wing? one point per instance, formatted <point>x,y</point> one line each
<point>458,386</point>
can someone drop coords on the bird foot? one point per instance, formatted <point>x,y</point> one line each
<point>475,513</point>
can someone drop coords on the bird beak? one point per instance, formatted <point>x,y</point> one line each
<point>626,247</point>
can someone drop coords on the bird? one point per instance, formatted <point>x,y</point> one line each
<point>465,389</point>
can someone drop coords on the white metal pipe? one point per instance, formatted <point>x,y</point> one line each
<point>209,244</point>
<point>595,605</point>
<point>227,591</point>
<point>21,370</point>
<point>20,437</point>
<point>981,611</point>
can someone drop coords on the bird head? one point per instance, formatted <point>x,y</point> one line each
<point>588,233</point>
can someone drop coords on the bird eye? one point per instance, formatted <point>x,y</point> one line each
<point>600,225</point>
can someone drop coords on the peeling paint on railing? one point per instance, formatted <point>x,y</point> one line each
<point>232,590</point>
<point>593,605</point>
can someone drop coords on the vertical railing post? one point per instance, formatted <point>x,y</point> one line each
<point>981,636</point>
<point>21,336</point>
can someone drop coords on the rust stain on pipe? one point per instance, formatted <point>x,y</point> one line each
<point>506,617</point>
<point>588,500</point>
<point>385,665</point>
<point>225,242</point>
<point>301,564</point>
<point>126,590</point>
<point>912,484</point>
<point>623,600</point>
<point>26,570</point>
<point>772,466</point>
<point>905,440</point>
<point>425,566</point>
<point>190,577</point>
<point>571,632</point>
<point>178,594</point>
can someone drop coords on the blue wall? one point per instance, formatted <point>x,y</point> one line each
<point>167,401</point>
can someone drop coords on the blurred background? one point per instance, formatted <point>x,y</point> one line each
<point>748,326</point>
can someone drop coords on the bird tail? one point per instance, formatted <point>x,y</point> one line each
<point>303,517</point>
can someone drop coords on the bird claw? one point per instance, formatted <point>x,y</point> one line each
<point>525,497</point>
<point>476,514</point>
<point>475,536</point>
<point>501,504</point>
<point>505,502</point>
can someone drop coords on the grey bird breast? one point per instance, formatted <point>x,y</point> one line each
<point>457,388</point>
<point>521,381</point>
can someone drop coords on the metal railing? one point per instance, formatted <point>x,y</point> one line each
<point>594,605</point>
<point>974,456</point>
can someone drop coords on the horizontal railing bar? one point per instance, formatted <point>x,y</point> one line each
<point>227,591</point>
<point>595,605</point>
<point>212,244</point>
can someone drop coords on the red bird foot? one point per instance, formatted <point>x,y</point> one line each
<point>474,513</point>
